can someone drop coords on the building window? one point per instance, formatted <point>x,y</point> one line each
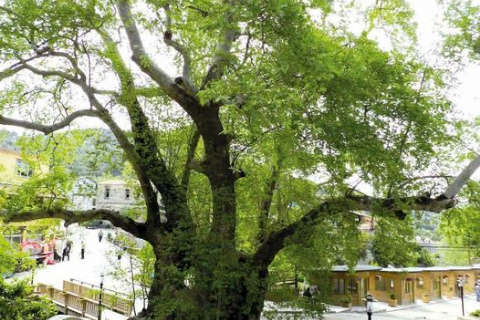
<point>392,284</point>
<point>338,286</point>
<point>436,283</point>
<point>107,192</point>
<point>380,284</point>
<point>127,193</point>
<point>23,169</point>
<point>352,286</point>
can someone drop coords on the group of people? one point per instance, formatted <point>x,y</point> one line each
<point>67,249</point>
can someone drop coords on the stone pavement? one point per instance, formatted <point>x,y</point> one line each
<point>437,310</point>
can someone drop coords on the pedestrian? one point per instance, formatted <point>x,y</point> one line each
<point>69,245</point>
<point>66,253</point>
<point>82,251</point>
<point>100,236</point>
<point>307,293</point>
<point>477,290</point>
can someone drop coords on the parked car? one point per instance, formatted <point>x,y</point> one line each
<point>99,224</point>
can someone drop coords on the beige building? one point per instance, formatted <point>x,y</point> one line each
<point>13,172</point>
<point>13,169</point>
<point>409,285</point>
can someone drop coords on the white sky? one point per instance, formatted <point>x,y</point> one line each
<point>466,95</point>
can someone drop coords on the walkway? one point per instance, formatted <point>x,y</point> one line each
<point>437,310</point>
<point>100,258</point>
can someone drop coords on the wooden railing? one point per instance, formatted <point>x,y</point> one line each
<point>112,300</point>
<point>70,303</point>
<point>83,300</point>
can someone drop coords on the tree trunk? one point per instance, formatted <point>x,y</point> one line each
<point>233,290</point>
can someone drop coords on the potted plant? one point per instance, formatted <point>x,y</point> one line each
<point>392,302</point>
<point>426,298</point>
<point>346,302</point>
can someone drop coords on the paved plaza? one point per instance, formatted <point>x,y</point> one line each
<point>439,310</point>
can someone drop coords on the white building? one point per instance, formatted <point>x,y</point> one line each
<point>115,195</point>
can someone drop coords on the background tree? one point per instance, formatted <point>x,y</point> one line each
<point>268,93</point>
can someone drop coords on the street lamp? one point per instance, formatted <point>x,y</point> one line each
<point>33,273</point>
<point>100,297</point>
<point>461,282</point>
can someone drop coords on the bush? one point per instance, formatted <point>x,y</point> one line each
<point>18,303</point>
<point>392,296</point>
<point>475,313</point>
<point>346,300</point>
<point>282,294</point>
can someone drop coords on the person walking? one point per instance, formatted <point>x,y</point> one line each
<point>82,250</point>
<point>307,293</point>
<point>100,236</point>
<point>477,290</point>
<point>66,252</point>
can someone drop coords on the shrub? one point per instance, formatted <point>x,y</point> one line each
<point>346,300</point>
<point>475,313</point>
<point>17,302</point>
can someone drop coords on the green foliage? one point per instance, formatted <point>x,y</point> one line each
<point>394,243</point>
<point>464,34</point>
<point>11,258</point>
<point>460,226</point>
<point>475,313</point>
<point>346,300</point>
<point>18,303</point>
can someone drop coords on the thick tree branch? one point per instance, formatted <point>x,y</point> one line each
<point>140,55</point>
<point>52,73</point>
<point>224,45</point>
<point>462,179</point>
<point>104,115</point>
<point>17,67</point>
<point>267,203</point>
<point>187,61</point>
<point>276,241</point>
<point>145,145</point>
<point>70,216</point>
<point>149,67</point>
<point>47,129</point>
<point>192,147</point>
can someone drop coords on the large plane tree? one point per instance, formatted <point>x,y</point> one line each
<point>255,97</point>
